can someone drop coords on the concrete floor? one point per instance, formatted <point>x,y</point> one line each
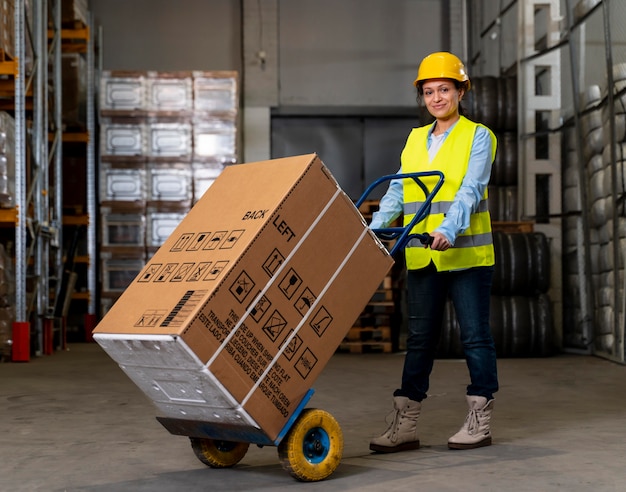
<point>73,421</point>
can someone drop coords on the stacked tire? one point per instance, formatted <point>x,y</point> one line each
<point>492,101</point>
<point>521,316</point>
<point>603,196</point>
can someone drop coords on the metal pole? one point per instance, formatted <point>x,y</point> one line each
<point>91,173</point>
<point>39,161</point>
<point>618,346</point>
<point>56,164</point>
<point>57,213</point>
<point>583,238</point>
<point>20,166</point>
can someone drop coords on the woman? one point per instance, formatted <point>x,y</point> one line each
<point>458,263</point>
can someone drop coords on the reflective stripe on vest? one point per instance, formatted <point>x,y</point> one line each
<point>483,239</point>
<point>440,207</point>
<point>473,247</point>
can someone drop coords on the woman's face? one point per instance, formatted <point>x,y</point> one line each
<point>441,98</point>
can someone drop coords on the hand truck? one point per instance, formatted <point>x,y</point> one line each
<point>310,447</point>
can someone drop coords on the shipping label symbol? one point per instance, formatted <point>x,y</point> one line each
<point>321,321</point>
<point>182,242</point>
<point>260,308</point>
<point>232,239</point>
<point>164,275</point>
<point>150,272</point>
<point>290,283</point>
<point>294,344</point>
<point>151,318</point>
<point>182,272</point>
<point>242,287</point>
<point>274,326</point>
<point>200,270</point>
<point>273,262</point>
<point>215,240</point>
<point>198,241</point>
<point>306,363</point>
<point>305,301</point>
<point>216,270</point>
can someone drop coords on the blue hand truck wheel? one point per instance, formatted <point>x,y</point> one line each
<point>313,447</point>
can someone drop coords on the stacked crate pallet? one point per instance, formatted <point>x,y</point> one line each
<point>372,331</point>
<point>164,139</point>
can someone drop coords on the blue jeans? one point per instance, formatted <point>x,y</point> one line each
<point>470,291</point>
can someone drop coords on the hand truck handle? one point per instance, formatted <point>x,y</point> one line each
<point>402,234</point>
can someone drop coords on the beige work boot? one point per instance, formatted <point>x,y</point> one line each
<point>475,432</point>
<point>401,435</point>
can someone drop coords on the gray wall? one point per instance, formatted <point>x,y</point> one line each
<point>330,52</point>
<point>169,35</point>
<point>355,52</point>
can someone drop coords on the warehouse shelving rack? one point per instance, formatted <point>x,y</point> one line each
<point>80,40</point>
<point>539,103</point>
<point>37,222</point>
<point>37,217</point>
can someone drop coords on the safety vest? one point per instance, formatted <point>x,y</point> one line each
<point>473,247</point>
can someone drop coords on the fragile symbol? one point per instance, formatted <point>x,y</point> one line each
<point>197,243</point>
<point>290,283</point>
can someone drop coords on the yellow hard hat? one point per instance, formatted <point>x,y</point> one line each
<point>442,65</point>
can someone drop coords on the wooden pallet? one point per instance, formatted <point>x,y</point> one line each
<point>380,307</point>
<point>365,347</point>
<point>368,207</point>
<point>382,295</point>
<point>387,283</point>
<point>373,320</point>
<point>74,24</point>
<point>369,334</point>
<point>524,227</point>
<point>8,66</point>
<point>4,56</point>
<point>77,209</point>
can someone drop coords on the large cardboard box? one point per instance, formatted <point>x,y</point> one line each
<point>236,315</point>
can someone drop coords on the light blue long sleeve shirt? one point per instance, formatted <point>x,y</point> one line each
<point>466,200</point>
